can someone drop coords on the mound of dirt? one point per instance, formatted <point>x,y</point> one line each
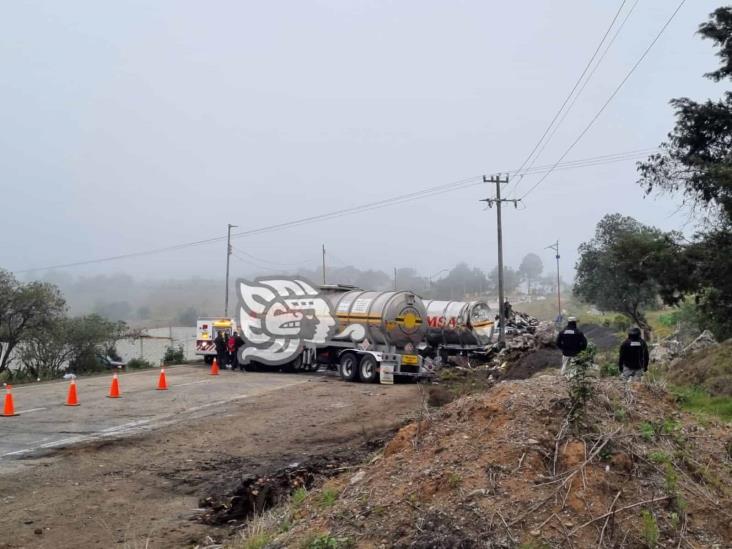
<point>710,369</point>
<point>604,338</point>
<point>534,362</point>
<point>507,467</point>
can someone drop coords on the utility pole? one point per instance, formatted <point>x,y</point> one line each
<point>498,201</point>
<point>555,247</point>
<point>228,256</point>
<point>395,279</point>
<point>323,264</point>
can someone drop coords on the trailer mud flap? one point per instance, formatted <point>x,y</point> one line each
<point>386,373</point>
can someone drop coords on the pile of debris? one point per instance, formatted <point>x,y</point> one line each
<point>516,465</point>
<point>521,323</point>
<point>670,349</point>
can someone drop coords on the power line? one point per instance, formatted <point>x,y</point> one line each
<point>609,99</point>
<point>574,88</point>
<point>395,200</point>
<point>579,93</point>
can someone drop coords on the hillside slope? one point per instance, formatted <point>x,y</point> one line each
<point>506,468</point>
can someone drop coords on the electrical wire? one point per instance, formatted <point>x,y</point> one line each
<point>578,94</point>
<point>574,88</point>
<point>395,200</point>
<point>609,99</point>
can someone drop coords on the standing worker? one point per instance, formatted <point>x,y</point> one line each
<point>220,345</point>
<point>571,341</point>
<point>507,311</point>
<point>231,351</point>
<point>238,343</point>
<point>634,357</point>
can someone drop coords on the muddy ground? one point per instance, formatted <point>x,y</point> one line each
<point>147,490</point>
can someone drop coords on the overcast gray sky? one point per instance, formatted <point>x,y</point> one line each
<point>134,125</point>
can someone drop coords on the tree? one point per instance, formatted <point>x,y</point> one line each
<point>45,353</point>
<point>24,310</point>
<point>89,336</point>
<point>624,267</point>
<point>530,269</point>
<point>460,281</point>
<point>409,279</point>
<point>696,160</point>
<point>511,279</point>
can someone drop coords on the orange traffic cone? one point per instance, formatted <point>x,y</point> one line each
<point>9,408</point>
<point>162,382</point>
<point>72,399</point>
<point>114,389</point>
<point>214,368</point>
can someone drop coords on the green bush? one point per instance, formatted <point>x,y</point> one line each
<point>298,496</point>
<point>326,541</point>
<point>139,364</point>
<point>620,323</point>
<point>696,399</point>
<point>609,369</point>
<point>328,497</point>
<point>650,528</point>
<point>174,355</point>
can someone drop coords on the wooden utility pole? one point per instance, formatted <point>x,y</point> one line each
<point>228,256</point>
<point>324,264</point>
<point>555,247</point>
<point>498,201</point>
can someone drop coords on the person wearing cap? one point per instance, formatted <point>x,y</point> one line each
<point>571,341</point>
<point>634,356</point>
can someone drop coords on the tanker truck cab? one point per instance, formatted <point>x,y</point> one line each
<point>377,335</point>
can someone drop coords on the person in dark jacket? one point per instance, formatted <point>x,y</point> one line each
<point>507,311</point>
<point>231,351</point>
<point>220,345</point>
<point>238,343</point>
<point>571,341</point>
<point>634,356</point>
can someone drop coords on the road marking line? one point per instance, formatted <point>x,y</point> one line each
<point>17,452</point>
<point>31,410</point>
<point>173,385</point>
<point>131,427</point>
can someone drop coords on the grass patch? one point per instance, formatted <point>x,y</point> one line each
<point>298,496</point>
<point>650,528</point>
<point>326,541</point>
<point>659,457</point>
<point>328,498</point>
<point>454,480</point>
<point>697,400</point>
<point>258,541</point>
<point>647,431</point>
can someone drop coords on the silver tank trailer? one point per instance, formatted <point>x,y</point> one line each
<point>393,318</point>
<point>459,323</point>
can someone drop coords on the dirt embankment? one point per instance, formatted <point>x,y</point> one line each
<point>710,369</point>
<point>147,491</point>
<point>506,467</point>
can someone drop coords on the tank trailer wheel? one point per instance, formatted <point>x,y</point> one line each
<point>349,367</point>
<point>368,369</point>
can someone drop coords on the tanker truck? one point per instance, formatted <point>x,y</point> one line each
<point>458,327</point>
<point>379,332</point>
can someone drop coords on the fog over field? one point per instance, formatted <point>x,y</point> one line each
<point>135,126</point>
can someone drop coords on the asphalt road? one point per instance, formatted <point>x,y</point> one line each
<point>45,423</point>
